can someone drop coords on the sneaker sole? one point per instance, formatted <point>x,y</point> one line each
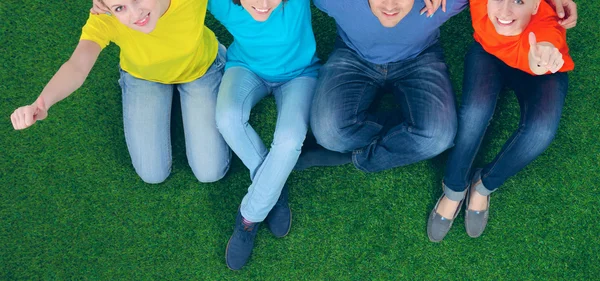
<point>227,250</point>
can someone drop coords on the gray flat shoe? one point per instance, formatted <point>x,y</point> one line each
<point>438,226</point>
<point>475,221</point>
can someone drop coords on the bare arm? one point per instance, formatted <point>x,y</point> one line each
<point>72,73</point>
<point>67,79</point>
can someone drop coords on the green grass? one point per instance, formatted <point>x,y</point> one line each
<point>72,207</point>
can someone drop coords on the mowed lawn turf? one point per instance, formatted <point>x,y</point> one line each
<point>72,206</point>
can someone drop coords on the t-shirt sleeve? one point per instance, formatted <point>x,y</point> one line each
<point>220,8</point>
<point>321,5</point>
<point>98,29</point>
<point>457,7</point>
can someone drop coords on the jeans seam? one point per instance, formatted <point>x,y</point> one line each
<point>410,114</point>
<point>355,162</point>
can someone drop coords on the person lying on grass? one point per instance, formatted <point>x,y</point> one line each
<point>164,44</point>
<point>521,45</point>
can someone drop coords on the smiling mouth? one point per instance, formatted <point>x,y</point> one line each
<point>143,21</point>
<point>390,14</point>
<point>504,22</point>
<point>262,11</point>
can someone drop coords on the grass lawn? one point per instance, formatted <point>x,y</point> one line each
<point>72,207</point>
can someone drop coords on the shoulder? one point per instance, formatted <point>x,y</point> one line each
<point>220,8</point>
<point>102,24</point>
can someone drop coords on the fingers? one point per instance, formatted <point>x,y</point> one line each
<point>444,6</point>
<point>14,121</point>
<point>22,117</point>
<point>532,41</point>
<point>568,23</point>
<point>29,120</point>
<point>570,20</point>
<point>545,58</point>
<point>98,8</point>
<point>429,6</point>
<point>533,50</point>
<point>556,61</point>
<point>560,11</point>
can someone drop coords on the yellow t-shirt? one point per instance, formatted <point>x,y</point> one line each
<point>180,49</point>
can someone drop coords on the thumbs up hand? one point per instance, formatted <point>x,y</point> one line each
<point>543,56</point>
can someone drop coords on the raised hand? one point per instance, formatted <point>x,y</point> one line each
<point>431,6</point>
<point>26,116</point>
<point>543,56</point>
<point>99,8</point>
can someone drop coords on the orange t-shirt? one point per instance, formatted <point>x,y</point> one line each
<point>514,50</point>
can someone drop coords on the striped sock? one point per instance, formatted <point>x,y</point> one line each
<point>247,222</point>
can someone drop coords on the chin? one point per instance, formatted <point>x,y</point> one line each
<point>508,32</point>
<point>261,18</point>
<point>145,29</point>
<point>389,24</point>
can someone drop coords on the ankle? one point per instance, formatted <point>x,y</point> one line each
<point>247,222</point>
<point>447,208</point>
<point>477,202</point>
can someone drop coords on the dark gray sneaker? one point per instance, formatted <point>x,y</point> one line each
<point>438,226</point>
<point>279,220</point>
<point>240,244</point>
<point>475,221</point>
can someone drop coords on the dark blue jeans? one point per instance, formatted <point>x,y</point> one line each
<point>347,86</point>
<point>541,99</point>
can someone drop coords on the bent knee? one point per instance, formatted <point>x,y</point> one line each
<point>439,141</point>
<point>154,176</point>
<point>540,137</point>
<point>210,174</point>
<point>330,136</point>
<point>228,119</point>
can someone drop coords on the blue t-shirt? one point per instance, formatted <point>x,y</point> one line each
<point>279,49</point>
<point>362,32</point>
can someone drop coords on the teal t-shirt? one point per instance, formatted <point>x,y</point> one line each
<point>278,49</point>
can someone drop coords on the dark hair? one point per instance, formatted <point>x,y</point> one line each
<point>237,2</point>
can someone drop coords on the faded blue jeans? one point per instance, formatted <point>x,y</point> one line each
<point>541,99</point>
<point>241,89</point>
<point>147,125</point>
<point>348,84</point>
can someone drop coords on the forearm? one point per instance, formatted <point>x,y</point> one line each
<point>66,81</point>
<point>72,73</point>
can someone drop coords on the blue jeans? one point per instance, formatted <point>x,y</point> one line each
<point>240,91</point>
<point>347,86</point>
<point>541,99</point>
<point>147,122</point>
